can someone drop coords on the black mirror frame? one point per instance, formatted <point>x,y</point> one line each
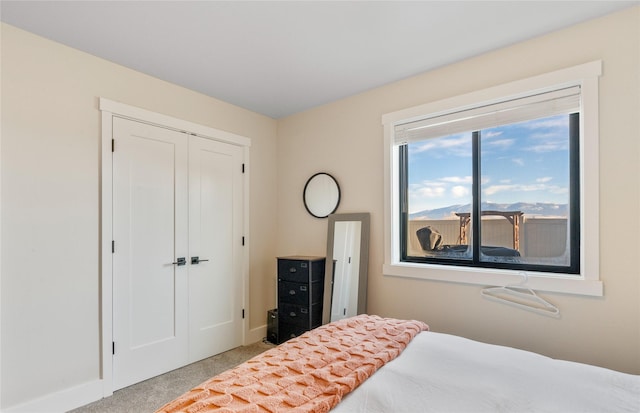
<point>304,194</point>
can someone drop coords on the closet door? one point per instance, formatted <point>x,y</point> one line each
<point>150,231</point>
<point>215,247</point>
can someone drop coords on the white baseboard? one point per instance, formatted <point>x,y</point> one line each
<point>74,397</point>
<point>256,334</point>
<point>61,401</point>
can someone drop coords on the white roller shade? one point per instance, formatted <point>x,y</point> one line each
<point>537,106</point>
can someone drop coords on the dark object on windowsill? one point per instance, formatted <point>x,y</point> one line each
<point>460,250</point>
<point>430,239</point>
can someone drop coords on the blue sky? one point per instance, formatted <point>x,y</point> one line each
<point>522,162</point>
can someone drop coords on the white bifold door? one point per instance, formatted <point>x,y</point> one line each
<point>177,252</point>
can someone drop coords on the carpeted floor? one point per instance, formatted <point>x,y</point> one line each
<point>151,394</point>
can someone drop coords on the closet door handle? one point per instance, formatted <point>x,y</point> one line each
<point>180,261</point>
<point>196,260</point>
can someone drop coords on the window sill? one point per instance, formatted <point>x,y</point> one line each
<point>569,284</point>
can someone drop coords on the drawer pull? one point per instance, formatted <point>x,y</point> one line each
<point>292,292</point>
<point>292,314</point>
<point>293,269</point>
<point>304,311</point>
<point>303,288</point>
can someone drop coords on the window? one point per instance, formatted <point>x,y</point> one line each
<point>486,187</point>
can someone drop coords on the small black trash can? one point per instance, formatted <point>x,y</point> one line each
<point>272,326</point>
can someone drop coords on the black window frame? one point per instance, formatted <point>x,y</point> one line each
<point>573,220</point>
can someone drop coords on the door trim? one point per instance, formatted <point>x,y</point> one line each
<point>111,109</point>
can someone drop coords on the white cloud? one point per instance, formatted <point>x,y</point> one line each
<point>500,143</point>
<point>550,146</point>
<point>492,134</point>
<point>459,145</point>
<point>555,122</point>
<point>459,191</point>
<point>427,189</point>
<point>426,192</point>
<point>494,189</point>
<point>430,191</point>
<point>457,179</point>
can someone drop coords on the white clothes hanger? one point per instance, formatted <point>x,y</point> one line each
<point>521,296</point>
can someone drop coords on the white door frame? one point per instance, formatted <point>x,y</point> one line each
<point>110,109</point>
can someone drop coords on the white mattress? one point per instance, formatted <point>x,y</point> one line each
<point>444,373</point>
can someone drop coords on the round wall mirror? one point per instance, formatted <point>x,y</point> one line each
<point>321,195</point>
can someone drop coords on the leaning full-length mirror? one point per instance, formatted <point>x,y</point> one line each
<point>347,265</point>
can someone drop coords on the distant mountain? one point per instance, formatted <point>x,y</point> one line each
<point>538,209</point>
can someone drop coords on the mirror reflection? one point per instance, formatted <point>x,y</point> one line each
<point>346,270</point>
<point>321,195</point>
<point>346,246</point>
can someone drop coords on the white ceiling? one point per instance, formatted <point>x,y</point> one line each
<point>282,57</point>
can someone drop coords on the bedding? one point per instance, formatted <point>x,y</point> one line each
<point>416,370</point>
<point>309,373</point>
<point>445,373</point>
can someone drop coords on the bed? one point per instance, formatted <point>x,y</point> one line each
<point>373,364</point>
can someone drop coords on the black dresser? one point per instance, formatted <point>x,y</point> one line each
<point>300,295</point>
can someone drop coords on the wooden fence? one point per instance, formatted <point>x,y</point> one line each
<point>539,237</point>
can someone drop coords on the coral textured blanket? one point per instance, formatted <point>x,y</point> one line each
<point>309,373</point>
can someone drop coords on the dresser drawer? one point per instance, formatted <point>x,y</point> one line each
<point>300,270</point>
<point>293,293</point>
<point>293,314</point>
<point>300,315</point>
<point>289,331</point>
<point>293,270</point>
<point>298,293</point>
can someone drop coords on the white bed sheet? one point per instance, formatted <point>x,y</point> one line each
<point>444,373</point>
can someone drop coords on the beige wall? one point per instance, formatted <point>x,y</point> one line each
<point>345,139</point>
<point>50,204</point>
